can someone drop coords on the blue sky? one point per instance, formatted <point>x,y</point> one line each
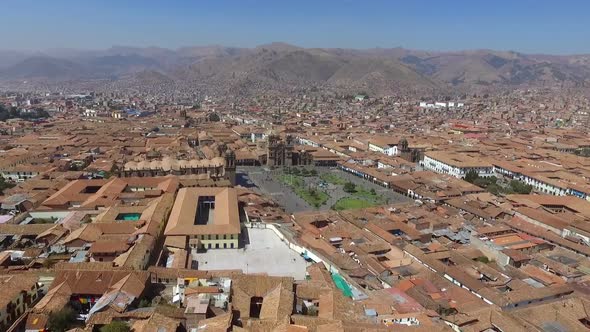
<point>541,26</point>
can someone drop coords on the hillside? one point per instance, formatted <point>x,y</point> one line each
<point>283,67</point>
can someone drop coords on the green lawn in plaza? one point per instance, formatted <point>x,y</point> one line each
<point>359,198</point>
<point>312,196</point>
<point>348,203</point>
<point>333,179</point>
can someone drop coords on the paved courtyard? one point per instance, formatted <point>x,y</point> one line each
<point>265,253</point>
<point>265,182</point>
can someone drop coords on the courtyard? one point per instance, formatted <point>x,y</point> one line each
<point>262,252</point>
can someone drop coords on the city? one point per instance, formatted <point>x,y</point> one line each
<point>288,188</point>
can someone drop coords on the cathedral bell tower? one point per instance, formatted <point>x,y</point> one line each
<point>230,166</point>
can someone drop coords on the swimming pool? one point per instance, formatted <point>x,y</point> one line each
<point>128,216</point>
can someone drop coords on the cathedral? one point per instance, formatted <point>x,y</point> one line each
<point>281,153</point>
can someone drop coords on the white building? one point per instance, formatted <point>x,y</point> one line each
<point>455,164</point>
<point>90,113</point>
<point>22,173</point>
<point>387,149</point>
<point>539,182</point>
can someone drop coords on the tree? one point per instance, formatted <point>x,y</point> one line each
<point>41,113</point>
<point>373,192</point>
<point>584,152</point>
<point>482,259</point>
<point>484,182</point>
<point>116,326</point>
<point>214,117</point>
<point>312,192</point>
<point>471,176</point>
<point>520,187</point>
<point>4,185</point>
<point>62,320</point>
<point>349,187</point>
<point>313,172</point>
<point>494,189</point>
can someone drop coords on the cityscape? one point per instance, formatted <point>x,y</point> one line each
<point>278,187</point>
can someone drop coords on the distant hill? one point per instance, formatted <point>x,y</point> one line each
<point>46,68</point>
<point>284,67</point>
<point>500,68</point>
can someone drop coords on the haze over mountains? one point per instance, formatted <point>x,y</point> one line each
<point>280,66</point>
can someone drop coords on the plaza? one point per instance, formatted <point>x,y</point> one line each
<point>268,182</point>
<point>262,252</point>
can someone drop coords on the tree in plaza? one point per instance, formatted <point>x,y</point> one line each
<point>349,187</point>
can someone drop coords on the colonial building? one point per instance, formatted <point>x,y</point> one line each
<point>204,218</point>
<point>456,164</point>
<point>217,168</point>
<point>19,292</point>
<point>281,152</point>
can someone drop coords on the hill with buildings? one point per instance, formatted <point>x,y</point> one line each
<point>282,67</point>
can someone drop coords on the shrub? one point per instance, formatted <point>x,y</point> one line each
<point>483,259</point>
<point>116,326</point>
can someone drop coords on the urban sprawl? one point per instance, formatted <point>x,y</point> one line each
<point>129,211</point>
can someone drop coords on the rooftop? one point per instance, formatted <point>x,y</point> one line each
<point>199,211</point>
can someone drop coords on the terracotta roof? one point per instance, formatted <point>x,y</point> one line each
<point>226,218</point>
<point>13,285</point>
<point>108,247</point>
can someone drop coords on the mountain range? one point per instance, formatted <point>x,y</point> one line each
<point>280,66</point>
